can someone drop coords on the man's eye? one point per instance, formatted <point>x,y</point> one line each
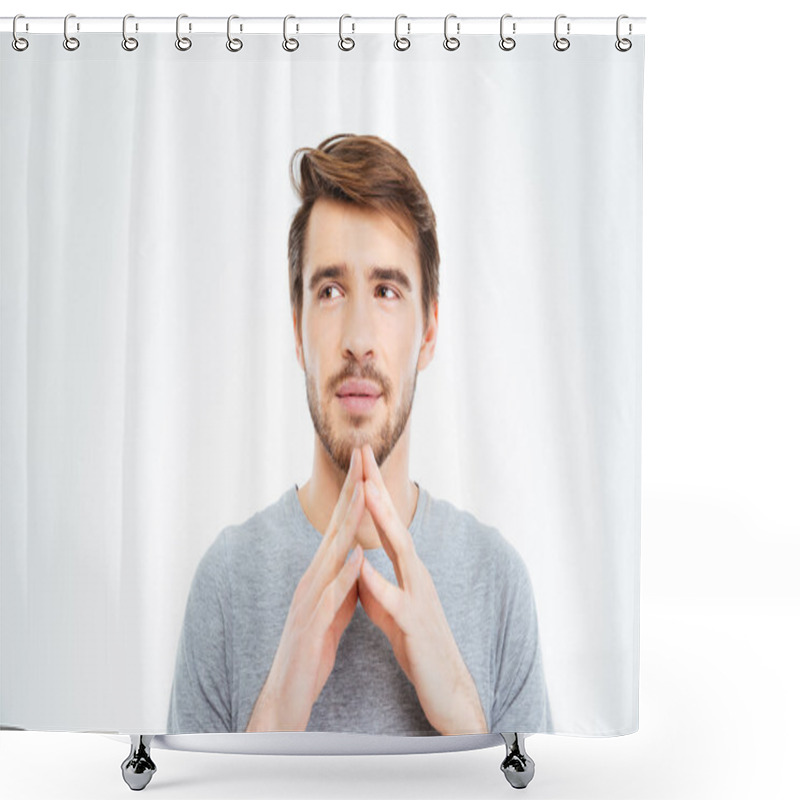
<point>324,293</point>
<point>388,289</point>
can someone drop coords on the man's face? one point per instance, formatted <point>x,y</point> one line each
<point>362,328</point>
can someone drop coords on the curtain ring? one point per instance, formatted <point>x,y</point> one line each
<point>181,42</point>
<point>401,43</point>
<point>128,42</point>
<point>346,43</point>
<point>561,44</point>
<point>234,45</point>
<point>623,45</point>
<point>506,42</point>
<point>70,42</point>
<point>18,43</point>
<point>451,42</point>
<point>290,45</point>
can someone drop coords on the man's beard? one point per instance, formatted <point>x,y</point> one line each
<point>383,441</point>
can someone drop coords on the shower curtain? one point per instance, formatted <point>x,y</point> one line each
<point>189,428</point>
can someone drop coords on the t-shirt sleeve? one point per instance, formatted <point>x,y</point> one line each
<point>200,701</point>
<point>520,702</point>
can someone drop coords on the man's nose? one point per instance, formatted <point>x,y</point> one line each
<point>358,334</point>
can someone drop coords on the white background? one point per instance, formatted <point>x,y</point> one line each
<point>720,611</point>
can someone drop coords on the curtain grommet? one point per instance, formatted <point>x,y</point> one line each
<point>623,45</point>
<point>289,44</point>
<point>129,43</point>
<point>345,42</point>
<point>233,45</point>
<point>561,43</point>
<point>401,43</point>
<point>451,42</point>
<point>70,42</point>
<point>183,43</point>
<point>18,42</point>
<point>507,42</point>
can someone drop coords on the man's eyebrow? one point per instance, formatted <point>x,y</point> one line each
<point>334,271</point>
<point>376,274</point>
<point>391,274</point>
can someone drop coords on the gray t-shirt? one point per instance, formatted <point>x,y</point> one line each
<point>240,598</point>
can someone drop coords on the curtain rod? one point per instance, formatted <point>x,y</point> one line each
<point>327,25</point>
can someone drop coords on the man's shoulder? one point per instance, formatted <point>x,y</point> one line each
<point>242,540</point>
<point>461,531</point>
<point>264,522</point>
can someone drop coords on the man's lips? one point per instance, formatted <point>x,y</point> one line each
<point>358,396</point>
<point>358,388</point>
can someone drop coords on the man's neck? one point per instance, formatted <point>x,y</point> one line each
<point>319,495</point>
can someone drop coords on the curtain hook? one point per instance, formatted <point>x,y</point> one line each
<point>623,45</point>
<point>234,45</point>
<point>290,45</point>
<point>18,43</point>
<point>507,42</point>
<point>401,43</point>
<point>451,42</point>
<point>70,42</point>
<point>128,42</point>
<point>181,42</point>
<point>346,43</point>
<point>561,43</point>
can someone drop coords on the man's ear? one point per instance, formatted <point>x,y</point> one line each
<point>429,337</point>
<point>298,341</point>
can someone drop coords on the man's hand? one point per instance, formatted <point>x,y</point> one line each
<point>412,617</point>
<point>322,606</point>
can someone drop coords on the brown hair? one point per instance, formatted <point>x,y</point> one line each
<point>369,172</point>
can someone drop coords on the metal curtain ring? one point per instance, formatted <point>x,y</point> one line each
<point>128,42</point>
<point>401,43</point>
<point>507,42</point>
<point>290,45</point>
<point>17,42</point>
<point>70,42</point>
<point>561,44</point>
<point>181,42</point>
<point>623,45</point>
<point>234,45</point>
<point>451,42</point>
<point>346,43</point>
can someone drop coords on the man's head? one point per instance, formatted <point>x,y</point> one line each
<point>364,281</point>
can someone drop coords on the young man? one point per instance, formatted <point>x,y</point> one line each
<point>429,625</point>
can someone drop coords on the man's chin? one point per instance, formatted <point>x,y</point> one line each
<point>349,443</point>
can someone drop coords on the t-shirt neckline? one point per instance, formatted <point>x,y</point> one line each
<point>296,510</point>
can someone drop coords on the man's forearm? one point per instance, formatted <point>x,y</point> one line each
<point>264,715</point>
<point>468,716</point>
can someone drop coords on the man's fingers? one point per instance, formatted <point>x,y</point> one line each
<point>354,475</point>
<point>331,554</point>
<point>385,599</point>
<point>394,535</point>
<point>346,611</point>
<point>375,611</point>
<point>399,538</point>
<point>382,618</point>
<point>337,590</point>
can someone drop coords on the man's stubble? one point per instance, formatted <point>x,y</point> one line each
<point>340,448</point>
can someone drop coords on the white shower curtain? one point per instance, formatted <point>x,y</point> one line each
<point>151,393</point>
